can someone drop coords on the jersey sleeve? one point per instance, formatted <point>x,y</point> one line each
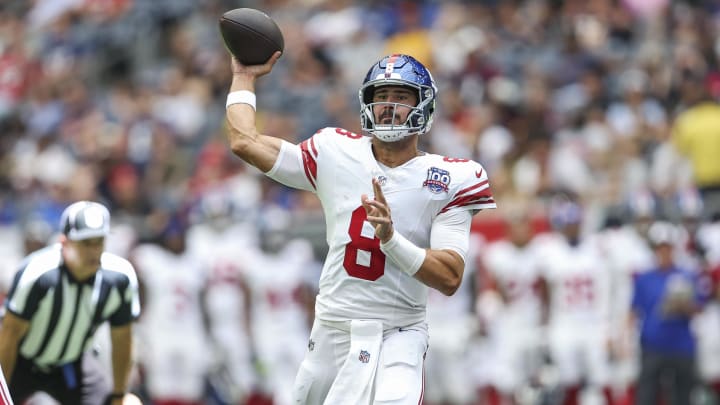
<point>451,230</point>
<point>473,193</point>
<point>297,165</point>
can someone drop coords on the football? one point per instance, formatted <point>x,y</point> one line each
<point>251,35</point>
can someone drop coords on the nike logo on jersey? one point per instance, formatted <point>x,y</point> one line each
<point>478,174</point>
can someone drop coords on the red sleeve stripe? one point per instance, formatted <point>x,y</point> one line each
<point>471,188</point>
<point>312,146</point>
<point>481,198</point>
<point>309,163</point>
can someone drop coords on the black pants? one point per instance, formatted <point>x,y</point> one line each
<point>669,376</point>
<point>92,381</point>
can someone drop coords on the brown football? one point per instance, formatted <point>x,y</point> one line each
<point>251,35</point>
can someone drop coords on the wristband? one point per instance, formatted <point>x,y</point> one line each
<point>404,253</point>
<point>241,97</point>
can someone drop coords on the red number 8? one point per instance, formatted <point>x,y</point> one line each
<point>359,242</point>
<point>455,160</point>
<point>349,134</point>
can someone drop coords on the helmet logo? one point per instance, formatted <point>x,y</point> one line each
<point>389,69</point>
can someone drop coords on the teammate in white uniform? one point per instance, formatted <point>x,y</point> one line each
<point>578,297</point>
<point>511,278</point>
<point>280,301</point>
<point>627,254</point>
<point>173,349</point>
<point>398,222</point>
<point>221,244</point>
<point>453,326</point>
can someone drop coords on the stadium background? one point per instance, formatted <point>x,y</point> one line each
<point>122,101</point>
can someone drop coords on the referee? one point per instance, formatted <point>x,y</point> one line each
<point>58,299</point>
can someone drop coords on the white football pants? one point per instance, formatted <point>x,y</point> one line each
<point>347,369</point>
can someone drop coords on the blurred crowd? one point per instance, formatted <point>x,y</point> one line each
<point>614,103</point>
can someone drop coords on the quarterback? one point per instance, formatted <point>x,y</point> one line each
<point>398,221</point>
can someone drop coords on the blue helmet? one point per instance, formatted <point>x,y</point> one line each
<point>398,70</point>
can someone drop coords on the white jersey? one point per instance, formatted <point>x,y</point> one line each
<point>11,255</point>
<point>708,235</point>
<point>173,346</point>
<point>280,319</point>
<point>578,278</point>
<point>514,269</point>
<point>221,253</point>
<point>173,285</point>
<point>276,281</point>
<point>626,254</point>
<point>626,251</point>
<point>358,282</point>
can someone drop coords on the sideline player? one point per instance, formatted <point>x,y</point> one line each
<point>577,304</point>
<point>453,339</point>
<point>174,350</point>
<point>398,221</point>
<point>511,278</point>
<point>220,243</point>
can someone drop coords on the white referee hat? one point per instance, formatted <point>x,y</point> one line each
<point>85,220</point>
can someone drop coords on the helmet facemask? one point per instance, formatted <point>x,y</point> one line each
<point>407,73</point>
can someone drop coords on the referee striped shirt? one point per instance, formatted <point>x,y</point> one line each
<point>63,312</point>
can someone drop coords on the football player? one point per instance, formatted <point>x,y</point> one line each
<point>221,244</point>
<point>173,349</point>
<point>398,221</point>
<point>577,294</point>
<point>453,327</point>
<point>627,254</point>
<point>511,278</point>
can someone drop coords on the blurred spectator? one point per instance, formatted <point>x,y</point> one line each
<point>695,134</point>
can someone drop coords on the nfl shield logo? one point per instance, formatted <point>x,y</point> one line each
<point>364,356</point>
<point>437,180</point>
